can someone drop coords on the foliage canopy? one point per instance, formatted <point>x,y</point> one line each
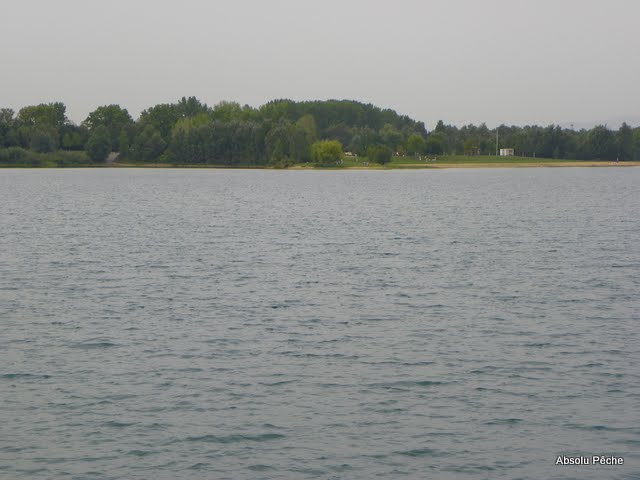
<point>283,132</point>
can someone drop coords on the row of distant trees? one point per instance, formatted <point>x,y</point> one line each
<point>553,141</point>
<point>282,132</point>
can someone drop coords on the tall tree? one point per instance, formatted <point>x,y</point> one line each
<point>8,134</point>
<point>228,112</point>
<point>99,144</point>
<point>308,125</point>
<point>435,143</point>
<point>114,118</point>
<point>299,144</point>
<point>6,116</point>
<point>148,145</point>
<point>40,126</point>
<point>601,143</point>
<point>45,114</point>
<point>636,144</point>
<point>391,136</point>
<point>416,144</point>
<point>191,107</point>
<point>123,143</point>
<point>278,142</point>
<point>161,118</point>
<point>624,139</point>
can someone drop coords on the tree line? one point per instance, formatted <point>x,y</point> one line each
<point>279,133</point>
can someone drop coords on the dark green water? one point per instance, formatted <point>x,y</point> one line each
<point>207,324</point>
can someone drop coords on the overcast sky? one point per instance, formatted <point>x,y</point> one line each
<point>463,61</point>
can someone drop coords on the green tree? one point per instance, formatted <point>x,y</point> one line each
<point>278,143</point>
<point>7,116</point>
<point>37,122</point>
<point>308,124</point>
<point>44,140</point>
<point>601,143</point>
<point>230,112</point>
<point>379,154</point>
<point>73,137</point>
<point>191,107</point>
<point>624,140</point>
<point>161,118</point>
<point>326,153</point>
<point>45,114</point>
<point>435,143</point>
<point>123,142</point>
<point>391,136</point>
<point>471,146</point>
<point>299,144</point>
<point>416,144</point>
<point>99,144</point>
<point>149,145</point>
<point>636,144</point>
<point>362,139</point>
<point>340,132</point>
<point>72,141</point>
<point>113,117</point>
<point>8,136</point>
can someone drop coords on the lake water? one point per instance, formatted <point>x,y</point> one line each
<point>229,324</point>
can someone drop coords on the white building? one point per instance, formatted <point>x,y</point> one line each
<point>506,152</point>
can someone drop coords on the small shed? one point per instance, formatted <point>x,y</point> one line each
<point>506,152</point>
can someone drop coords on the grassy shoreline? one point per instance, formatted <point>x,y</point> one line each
<point>354,163</point>
<point>412,163</point>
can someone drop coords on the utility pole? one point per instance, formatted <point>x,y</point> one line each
<point>496,141</point>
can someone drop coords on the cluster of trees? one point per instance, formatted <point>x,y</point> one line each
<point>278,133</point>
<point>553,141</point>
<point>281,132</point>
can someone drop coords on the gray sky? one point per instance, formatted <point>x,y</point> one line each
<point>463,61</point>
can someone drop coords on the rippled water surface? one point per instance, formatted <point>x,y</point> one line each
<point>210,324</point>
